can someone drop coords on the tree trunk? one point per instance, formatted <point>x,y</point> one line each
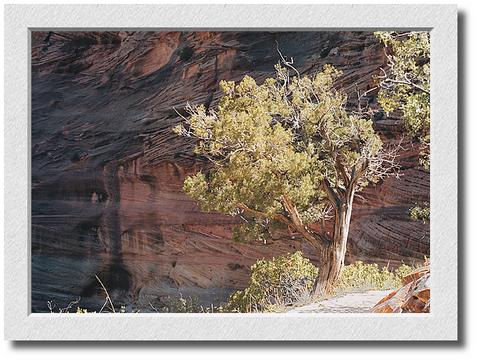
<point>332,256</point>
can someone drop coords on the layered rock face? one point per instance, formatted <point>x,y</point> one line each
<point>107,170</point>
<point>413,297</point>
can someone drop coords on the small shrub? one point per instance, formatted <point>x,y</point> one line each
<point>401,272</point>
<point>420,213</point>
<point>184,305</point>
<point>275,283</point>
<point>360,276</point>
<point>83,311</point>
<point>179,305</point>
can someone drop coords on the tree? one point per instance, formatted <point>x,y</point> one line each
<point>405,84</point>
<point>287,151</point>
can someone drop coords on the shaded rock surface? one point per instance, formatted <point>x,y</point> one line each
<point>413,297</point>
<point>107,170</point>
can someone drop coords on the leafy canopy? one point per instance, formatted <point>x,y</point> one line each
<point>405,85</point>
<point>284,150</point>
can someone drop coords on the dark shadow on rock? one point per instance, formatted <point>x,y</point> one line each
<point>115,277</point>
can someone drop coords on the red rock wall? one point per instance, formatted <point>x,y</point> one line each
<point>107,170</point>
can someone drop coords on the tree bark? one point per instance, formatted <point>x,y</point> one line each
<point>332,255</point>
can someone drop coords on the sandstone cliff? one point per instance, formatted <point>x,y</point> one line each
<point>107,170</point>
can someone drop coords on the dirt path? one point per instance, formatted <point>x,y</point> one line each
<point>348,303</point>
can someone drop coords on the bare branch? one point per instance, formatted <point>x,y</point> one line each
<point>153,307</point>
<point>50,305</point>
<point>107,294</point>
<point>287,63</point>
<point>70,305</point>
<point>385,163</point>
<point>331,193</point>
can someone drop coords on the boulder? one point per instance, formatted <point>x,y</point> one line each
<point>413,297</point>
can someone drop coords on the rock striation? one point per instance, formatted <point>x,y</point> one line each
<point>107,170</point>
<point>413,297</point>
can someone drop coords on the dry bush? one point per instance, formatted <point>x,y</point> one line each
<point>361,276</point>
<point>275,284</point>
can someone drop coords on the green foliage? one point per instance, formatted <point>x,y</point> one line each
<point>361,276</point>
<point>251,231</point>
<point>283,139</point>
<point>420,213</point>
<point>401,272</point>
<point>406,84</point>
<point>288,280</point>
<point>275,283</point>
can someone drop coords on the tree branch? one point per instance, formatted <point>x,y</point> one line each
<point>314,241</point>
<point>331,193</point>
<point>291,209</point>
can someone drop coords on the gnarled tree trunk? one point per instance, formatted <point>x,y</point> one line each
<point>332,255</point>
<point>331,251</point>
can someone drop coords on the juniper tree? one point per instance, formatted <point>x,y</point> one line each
<point>405,87</point>
<point>405,84</point>
<point>287,151</point>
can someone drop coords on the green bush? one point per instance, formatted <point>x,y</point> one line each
<point>420,213</point>
<point>275,283</point>
<point>401,272</point>
<point>360,276</point>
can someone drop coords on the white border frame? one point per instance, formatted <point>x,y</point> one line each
<point>440,324</point>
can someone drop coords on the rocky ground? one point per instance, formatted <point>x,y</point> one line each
<point>359,302</point>
<point>413,297</point>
